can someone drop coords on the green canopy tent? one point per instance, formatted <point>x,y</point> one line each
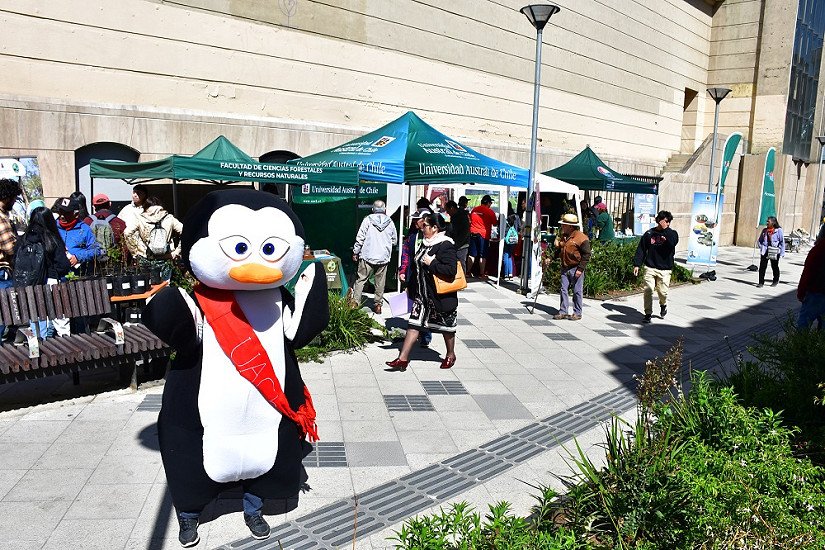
<point>588,171</point>
<point>220,162</point>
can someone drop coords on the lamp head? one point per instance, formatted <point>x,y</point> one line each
<point>821,140</point>
<point>539,14</point>
<point>718,94</point>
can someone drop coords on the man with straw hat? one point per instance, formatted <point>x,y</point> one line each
<point>573,247</point>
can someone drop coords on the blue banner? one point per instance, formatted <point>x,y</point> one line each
<point>644,212</point>
<point>703,242</point>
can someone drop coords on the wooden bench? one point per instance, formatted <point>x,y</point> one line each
<point>104,342</point>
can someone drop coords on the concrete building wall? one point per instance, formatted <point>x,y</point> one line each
<point>167,78</point>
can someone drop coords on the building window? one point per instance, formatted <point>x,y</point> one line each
<point>807,52</point>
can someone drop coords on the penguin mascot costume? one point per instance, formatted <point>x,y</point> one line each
<point>235,409</point>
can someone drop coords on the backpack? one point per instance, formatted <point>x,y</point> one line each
<point>511,237</point>
<point>104,235</point>
<point>159,239</point>
<point>30,265</point>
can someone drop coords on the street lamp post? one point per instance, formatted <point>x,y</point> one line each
<point>718,94</point>
<point>818,207</point>
<point>539,15</point>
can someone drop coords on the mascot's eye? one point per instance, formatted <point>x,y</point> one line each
<point>236,247</point>
<point>274,249</point>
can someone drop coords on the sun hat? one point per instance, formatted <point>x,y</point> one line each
<point>569,219</point>
<point>99,199</point>
<point>420,213</point>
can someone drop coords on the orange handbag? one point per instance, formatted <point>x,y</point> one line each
<point>444,285</point>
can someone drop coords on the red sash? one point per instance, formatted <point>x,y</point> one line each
<point>240,343</point>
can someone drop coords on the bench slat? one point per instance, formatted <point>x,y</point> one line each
<point>31,304</point>
<point>17,305</point>
<point>74,306</point>
<point>103,293</point>
<point>5,311</point>
<point>49,299</point>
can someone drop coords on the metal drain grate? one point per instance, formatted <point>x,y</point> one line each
<point>611,333</point>
<point>327,454</point>
<point>480,344</point>
<point>443,387</point>
<point>561,336</point>
<point>151,402</point>
<point>414,403</point>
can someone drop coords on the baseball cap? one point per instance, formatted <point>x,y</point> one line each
<point>100,198</point>
<point>486,199</point>
<point>420,213</point>
<point>68,204</point>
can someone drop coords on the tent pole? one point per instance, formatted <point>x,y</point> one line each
<point>175,197</point>
<point>401,239</point>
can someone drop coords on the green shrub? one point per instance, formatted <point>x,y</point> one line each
<point>785,374</point>
<point>609,270</point>
<point>461,528</point>
<point>695,471</point>
<point>349,329</point>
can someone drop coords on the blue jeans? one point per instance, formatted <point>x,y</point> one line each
<point>813,306</point>
<point>568,279</point>
<point>252,506</point>
<point>507,259</point>
<point>5,282</point>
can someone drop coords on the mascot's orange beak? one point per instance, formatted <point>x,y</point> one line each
<point>255,273</point>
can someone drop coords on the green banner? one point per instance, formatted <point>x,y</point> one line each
<point>311,193</point>
<point>731,145</point>
<point>768,198</point>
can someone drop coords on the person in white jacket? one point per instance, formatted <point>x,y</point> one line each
<point>373,247</point>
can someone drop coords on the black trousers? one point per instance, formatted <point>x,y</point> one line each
<point>763,266</point>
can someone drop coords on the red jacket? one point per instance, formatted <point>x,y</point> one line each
<point>813,274</point>
<point>482,219</point>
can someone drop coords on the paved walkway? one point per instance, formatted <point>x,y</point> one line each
<point>86,473</point>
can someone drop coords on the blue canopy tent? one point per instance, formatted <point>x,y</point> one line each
<point>408,151</point>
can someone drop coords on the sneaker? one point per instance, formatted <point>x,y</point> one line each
<point>774,283</point>
<point>760,285</point>
<point>188,535</point>
<point>647,318</point>
<point>560,316</point>
<point>662,311</point>
<point>424,343</point>
<point>574,317</point>
<point>257,526</point>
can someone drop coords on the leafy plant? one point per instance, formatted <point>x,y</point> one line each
<point>786,372</point>
<point>460,527</point>
<point>349,328</point>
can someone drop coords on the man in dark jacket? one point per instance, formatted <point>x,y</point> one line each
<point>573,248</point>
<point>460,222</point>
<point>655,251</point>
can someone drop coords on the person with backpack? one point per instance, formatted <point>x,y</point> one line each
<point>154,236</point>
<point>81,246</point>
<point>511,237</point>
<point>40,257</point>
<point>105,225</point>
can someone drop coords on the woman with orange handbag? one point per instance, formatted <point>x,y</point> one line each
<point>436,312</point>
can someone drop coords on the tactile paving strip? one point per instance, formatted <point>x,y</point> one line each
<point>408,403</point>
<point>387,504</point>
<point>443,387</point>
<point>327,454</point>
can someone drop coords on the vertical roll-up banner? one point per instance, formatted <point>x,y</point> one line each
<point>767,200</point>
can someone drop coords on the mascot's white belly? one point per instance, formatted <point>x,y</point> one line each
<point>240,428</point>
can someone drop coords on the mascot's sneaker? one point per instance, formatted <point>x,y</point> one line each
<point>188,535</point>
<point>257,526</point>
